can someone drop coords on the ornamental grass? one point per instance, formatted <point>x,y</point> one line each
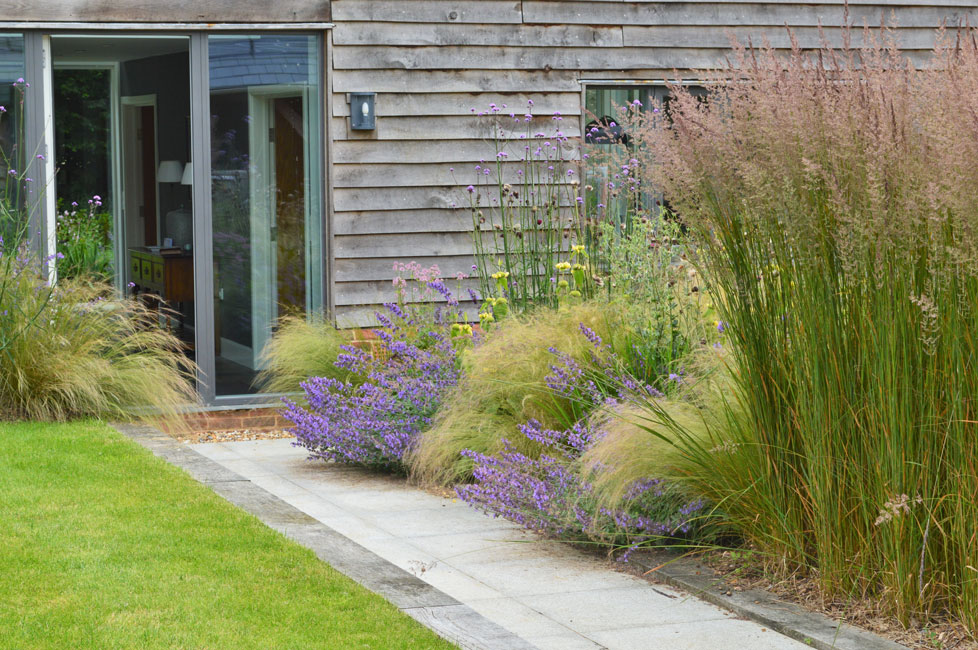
<point>502,387</point>
<point>302,348</point>
<point>74,351</point>
<point>835,196</point>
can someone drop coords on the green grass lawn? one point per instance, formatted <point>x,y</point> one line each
<point>103,545</point>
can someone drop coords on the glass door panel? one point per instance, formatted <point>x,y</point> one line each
<point>265,189</point>
<point>11,130</point>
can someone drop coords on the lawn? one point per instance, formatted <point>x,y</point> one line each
<point>103,545</point>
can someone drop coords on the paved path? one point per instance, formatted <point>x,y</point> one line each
<point>549,594</point>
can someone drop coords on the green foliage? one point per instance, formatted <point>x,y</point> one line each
<point>302,348</point>
<point>526,214</point>
<point>84,241</point>
<point>106,546</point>
<point>649,275</point>
<point>837,213</point>
<point>81,132</point>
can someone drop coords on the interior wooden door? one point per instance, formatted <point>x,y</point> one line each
<point>147,147</point>
<point>290,203</point>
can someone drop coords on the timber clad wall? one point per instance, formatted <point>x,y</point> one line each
<point>431,61</point>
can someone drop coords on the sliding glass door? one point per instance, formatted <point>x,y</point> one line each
<point>266,201</point>
<point>202,154</point>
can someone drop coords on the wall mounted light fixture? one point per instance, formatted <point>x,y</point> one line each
<point>362,116</point>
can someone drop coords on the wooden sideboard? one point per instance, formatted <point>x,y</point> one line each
<point>171,277</point>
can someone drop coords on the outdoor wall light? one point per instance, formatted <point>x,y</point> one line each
<point>362,116</point>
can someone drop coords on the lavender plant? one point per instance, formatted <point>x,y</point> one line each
<point>375,423</point>
<point>552,492</point>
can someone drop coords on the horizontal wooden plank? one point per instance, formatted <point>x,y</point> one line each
<point>175,11</point>
<point>399,246</point>
<point>777,37</point>
<point>377,151</point>
<point>417,34</point>
<point>530,59</point>
<point>429,11</point>
<point>402,198</point>
<point>378,292</point>
<point>874,3</point>
<point>411,174</point>
<point>452,127</point>
<point>358,270</point>
<point>376,199</point>
<point>368,222</point>
<point>435,103</point>
<point>792,14</point>
<point>364,316</point>
<point>455,81</point>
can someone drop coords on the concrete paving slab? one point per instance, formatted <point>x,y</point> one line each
<point>456,546</point>
<point>683,636</point>
<point>535,576</point>
<point>384,503</point>
<point>282,487</point>
<point>422,523</point>
<point>521,619</point>
<point>564,642</point>
<point>593,610</point>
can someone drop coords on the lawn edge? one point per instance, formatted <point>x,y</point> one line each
<point>447,617</point>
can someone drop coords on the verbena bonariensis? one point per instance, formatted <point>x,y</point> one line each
<point>551,494</point>
<point>373,424</point>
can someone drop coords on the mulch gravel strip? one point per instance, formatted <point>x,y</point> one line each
<point>231,435</point>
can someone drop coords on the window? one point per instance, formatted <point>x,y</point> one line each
<point>11,118</point>
<point>611,148</point>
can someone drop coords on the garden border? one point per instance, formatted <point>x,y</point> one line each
<point>456,621</point>
<point>446,616</point>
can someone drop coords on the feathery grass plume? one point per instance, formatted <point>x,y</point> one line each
<point>80,353</point>
<point>302,348</point>
<point>503,386</point>
<point>634,446</point>
<point>835,196</point>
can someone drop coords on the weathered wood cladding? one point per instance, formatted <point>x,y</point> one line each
<point>174,11</point>
<point>431,61</point>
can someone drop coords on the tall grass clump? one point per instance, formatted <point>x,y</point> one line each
<point>503,385</point>
<point>80,352</point>
<point>301,348</point>
<point>835,197</point>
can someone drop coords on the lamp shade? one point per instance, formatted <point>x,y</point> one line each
<point>170,171</point>
<point>188,174</point>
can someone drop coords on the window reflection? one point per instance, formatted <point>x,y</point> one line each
<point>265,135</point>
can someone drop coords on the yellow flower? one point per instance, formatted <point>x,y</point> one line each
<point>563,266</point>
<point>500,275</point>
<point>577,249</point>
